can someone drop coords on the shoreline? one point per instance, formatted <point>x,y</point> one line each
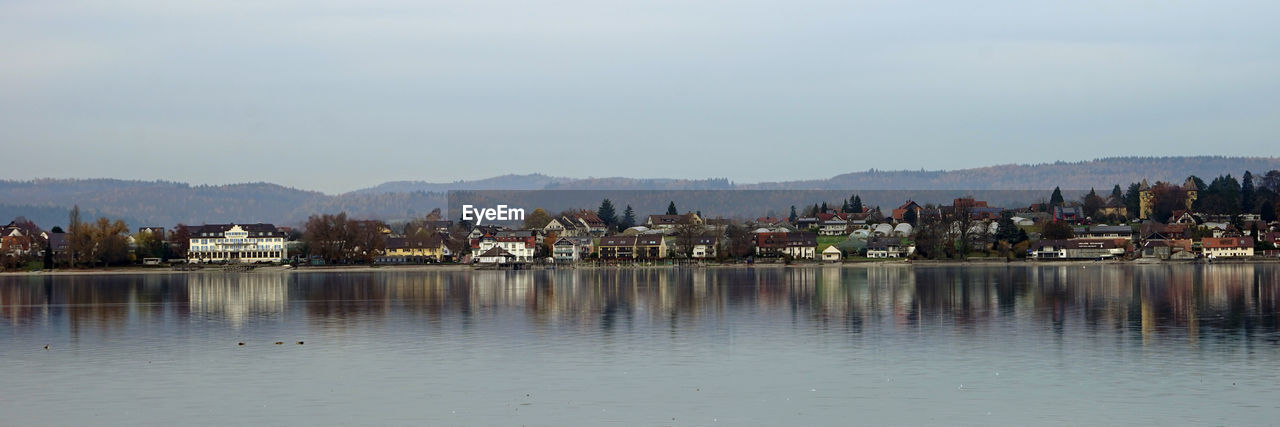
<point>135,270</point>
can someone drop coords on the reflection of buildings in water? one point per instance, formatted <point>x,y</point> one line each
<point>237,296</point>
<point>1095,296</point>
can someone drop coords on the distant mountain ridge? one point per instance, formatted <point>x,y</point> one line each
<point>165,203</point>
<point>534,181</point>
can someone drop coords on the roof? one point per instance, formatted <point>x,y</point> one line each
<point>648,239</point>
<point>1105,229</point>
<point>883,243</point>
<point>618,241</point>
<point>1226,242</point>
<point>683,219</point>
<point>802,239</point>
<point>590,218</point>
<point>253,229</point>
<point>496,251</point>
<point>405,242</point>
<point>1078,244</point>
<point>58,240</point>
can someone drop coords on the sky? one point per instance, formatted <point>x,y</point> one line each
<point>336,96</point>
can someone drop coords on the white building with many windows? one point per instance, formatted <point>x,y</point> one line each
<point>237,243</point>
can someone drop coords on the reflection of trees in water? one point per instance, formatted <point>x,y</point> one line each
<point>1150,299</point>
<point>103,303</point>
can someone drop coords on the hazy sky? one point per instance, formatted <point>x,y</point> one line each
<point>335,96</point>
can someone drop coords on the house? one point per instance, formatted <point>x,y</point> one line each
<point>803,223</point>
<point>1164,249</point>
<point>571,249</point>
<point>888,248</point>
<point>1273,237</point>
<point>1104,232</point>
<point>617,247</point>
<point>900,212</point>
<point>705,247</point>
<point>1067,214</point>
<point>650,246</point>
<point>14,241</point>
<point>768,220</point>
<point>157,232</point>
<point>236,243</point>
<point>589,224</point>
<point>561,227</point>
<point>978,209</point>
<point>495,255</point>
<point>481,230</point>
<point>1226,247</point>
<point>1185,217</point>
<point>663,222</point>
<point>1077,249</point>
<point>1171,231</point>
<point>831,254</point>
<point>413,250</point>
<point>520,244</point>
<point>57,243</point>
<point>833,227</point>
<point>798,245</point>
<point>770,243</point>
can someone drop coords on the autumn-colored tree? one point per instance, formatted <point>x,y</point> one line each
<point>79,239</point>
<point>109,242</point>
<point>1167,198</point>
<point>148,245</point>
<point>537,219</point>
<point>739,241</point>
<point>1091,203</point>
<point>180,241</point>
<point>1057,230</point>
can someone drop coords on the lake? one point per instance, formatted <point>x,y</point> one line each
<point>1025,344</point>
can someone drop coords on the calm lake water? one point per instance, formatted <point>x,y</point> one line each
<point>885,345</point>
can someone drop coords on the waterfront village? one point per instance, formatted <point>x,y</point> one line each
<point>1164,222</point>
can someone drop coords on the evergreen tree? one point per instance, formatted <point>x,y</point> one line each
<point>911,217</point>
<point>628,219</point>
<point>1117,197</point>
<point>1268,212</point>
<point>1056,199</point>
<point>793,216</point>
<point>824,208</point>
<point>671,209</point>
<point>857,204</point>
<point>1247,193</point>
<point>1133,199</point>
<point>607,214</point>
<point>1007,230</point>
<point>1091,203</point>
<point>845,207</point>
<point>1222,196</point>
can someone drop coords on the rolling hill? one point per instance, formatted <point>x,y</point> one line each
<point>168,203</point>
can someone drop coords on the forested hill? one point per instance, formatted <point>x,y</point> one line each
<point>1100,173</point>
<point>164,203</point>
<point>534,181</point>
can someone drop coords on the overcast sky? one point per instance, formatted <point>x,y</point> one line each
<point>335,96</point>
